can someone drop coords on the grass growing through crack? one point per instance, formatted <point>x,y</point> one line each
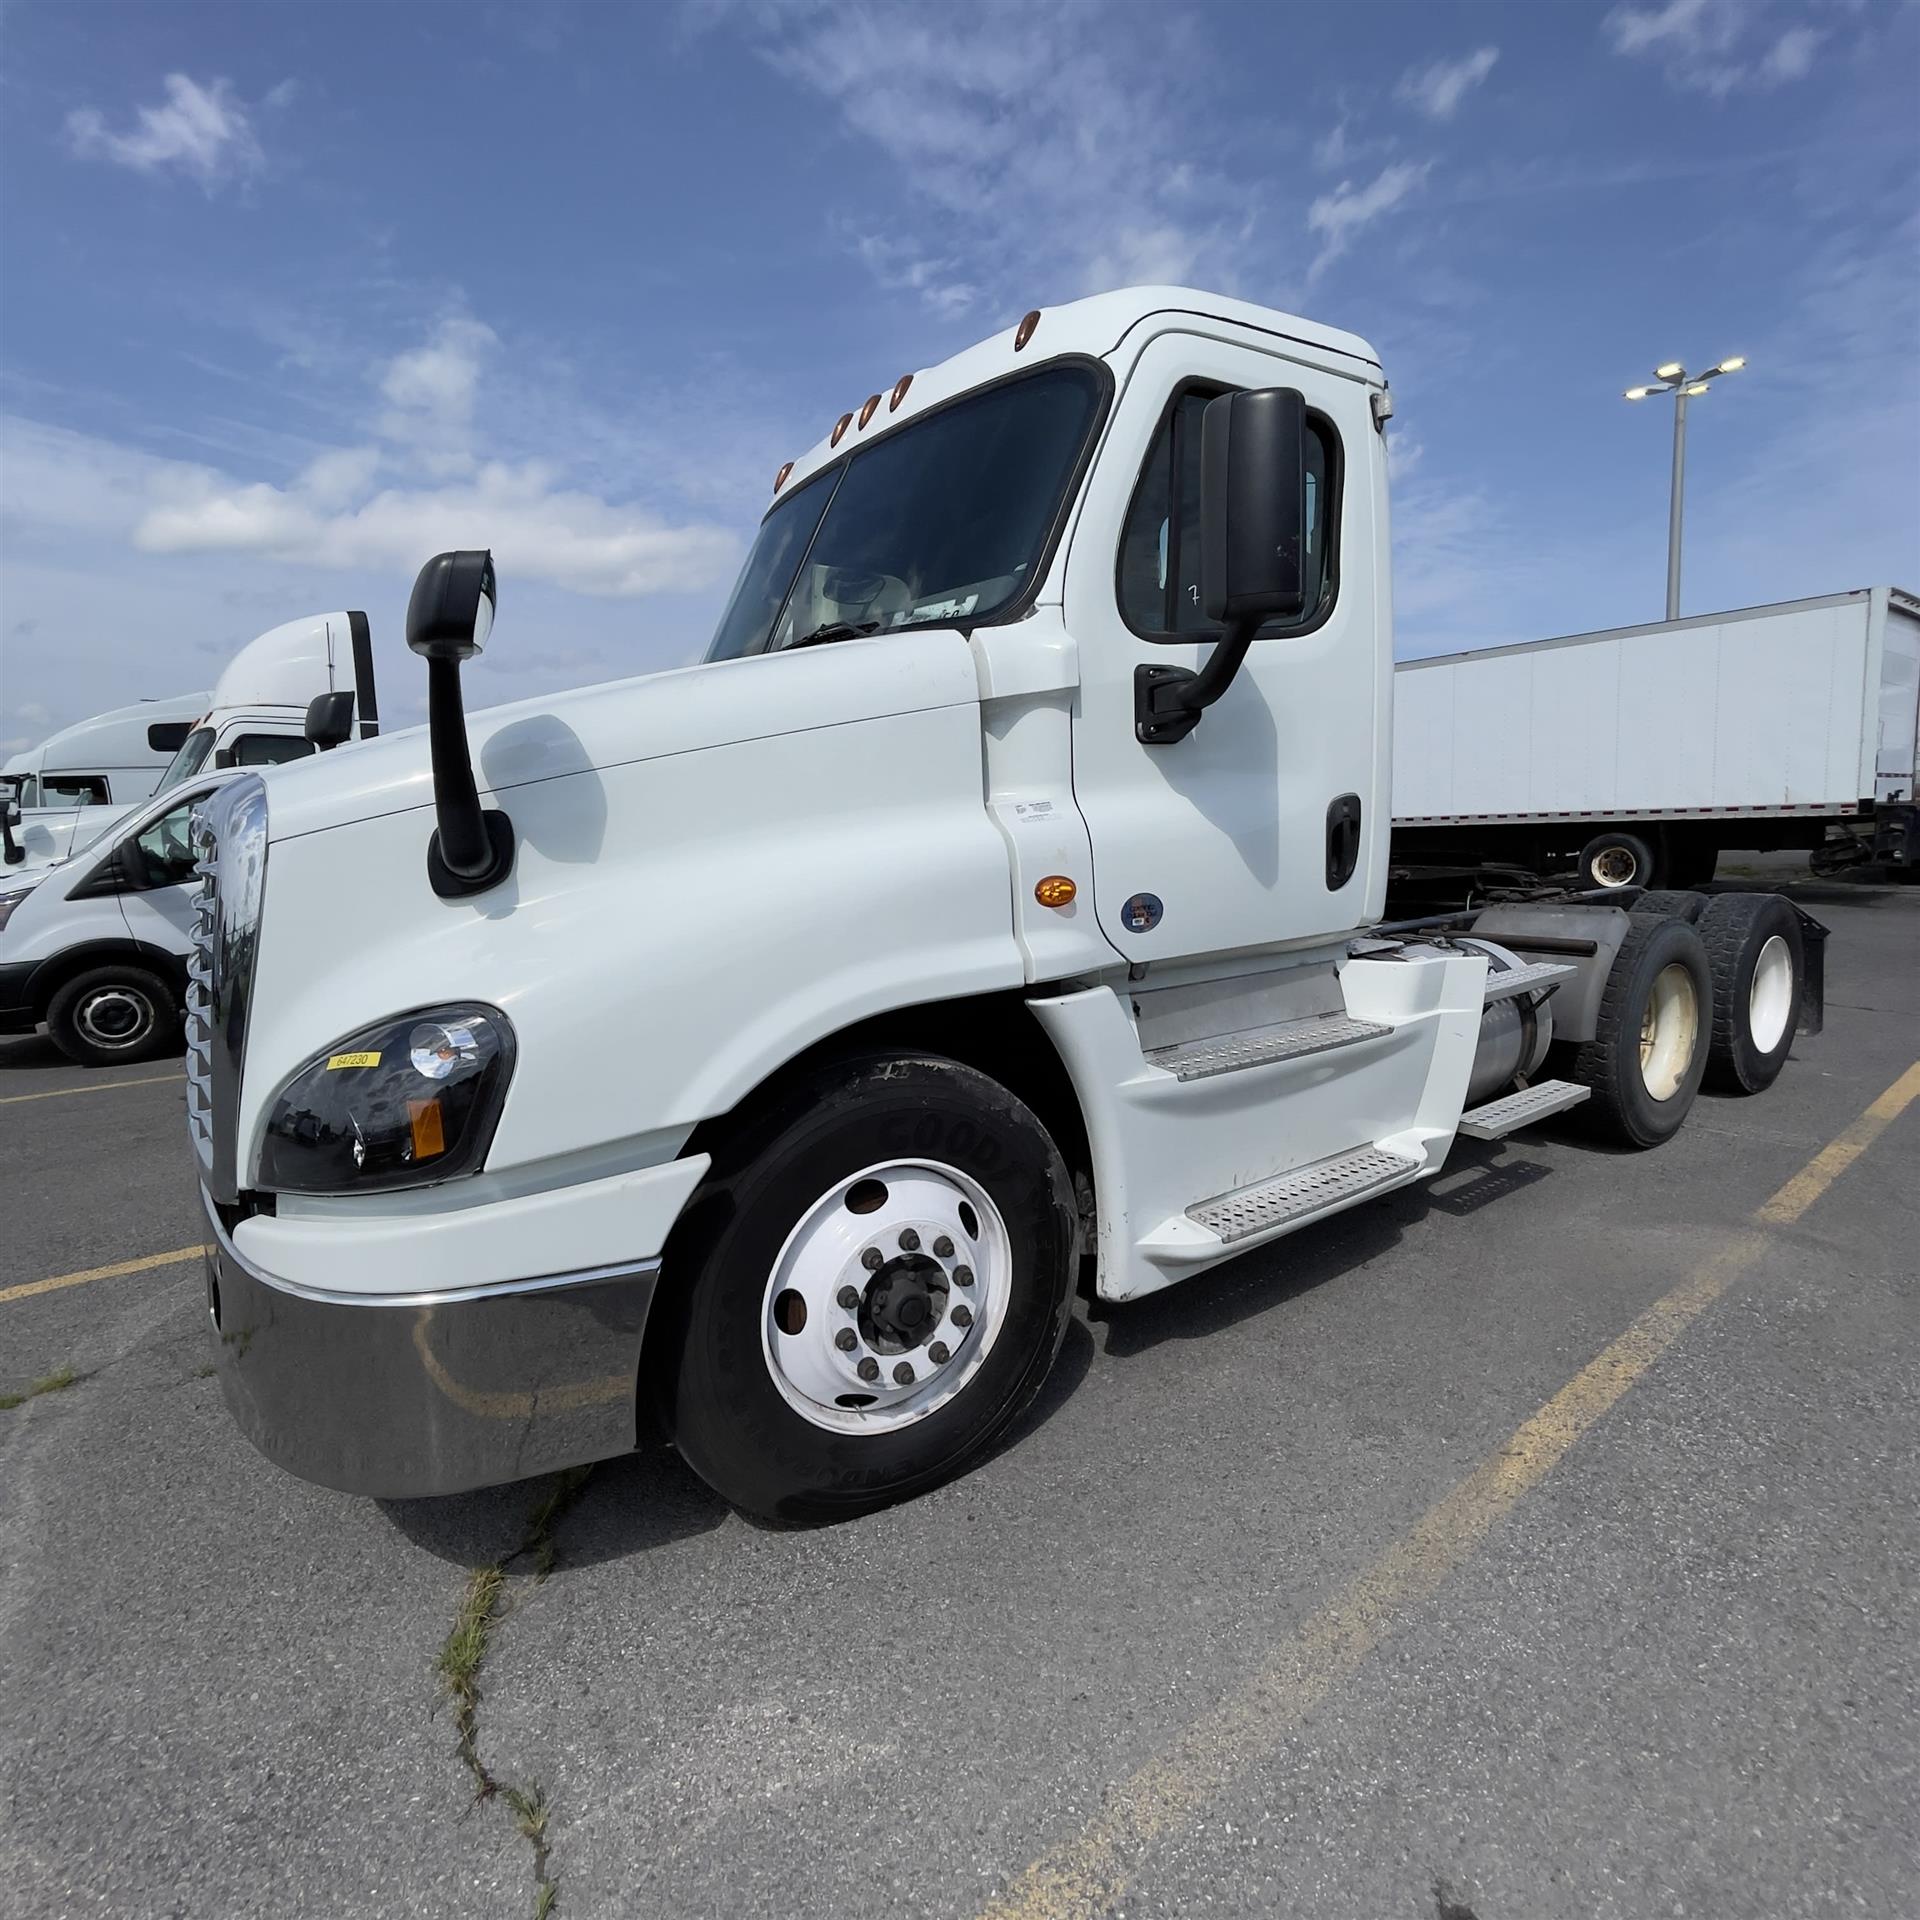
<point>485,1602</point>
<point>55,1382</point>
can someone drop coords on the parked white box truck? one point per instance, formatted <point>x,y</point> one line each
<point>1640,754</point>
<point>772,1045</point>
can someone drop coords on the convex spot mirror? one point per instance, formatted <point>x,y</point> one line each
<point>330,719</point>
<point>1253,506</point>
<point>451,611</point>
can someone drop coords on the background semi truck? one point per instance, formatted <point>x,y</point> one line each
<point>1640,754</point>
<point>774,1045</point>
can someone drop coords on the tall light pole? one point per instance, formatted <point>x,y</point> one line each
<point>1673,378</point>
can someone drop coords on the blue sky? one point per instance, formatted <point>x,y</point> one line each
<point>293,296</point>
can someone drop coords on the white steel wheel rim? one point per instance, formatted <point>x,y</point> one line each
<point>114,1016</point>
<point>1770,996</point>
<point>1669,1031</point>
<point>928,1220</point>
<point>1614,867</point>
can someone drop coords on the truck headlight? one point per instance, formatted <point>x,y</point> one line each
<point>406,1103</point>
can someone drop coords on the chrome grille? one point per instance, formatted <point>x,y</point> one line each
<point>200,994</point>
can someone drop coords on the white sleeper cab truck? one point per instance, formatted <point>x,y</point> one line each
<point>113,761</point>
<point>96,946</point>
<point>771,1046</point>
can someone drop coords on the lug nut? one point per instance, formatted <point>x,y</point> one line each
<point>938,1353</point>
<point>869,1368</point>
<point>848,1297</point>
<point>873,1259</point>
<point>943,1247</point>
<point>909,1240</point>
<point>846,1339</point>
<point>963,1315</point>
<point>963,1276</point>
<point>903,1374</point>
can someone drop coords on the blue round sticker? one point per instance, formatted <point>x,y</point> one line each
<point>1142,913</point>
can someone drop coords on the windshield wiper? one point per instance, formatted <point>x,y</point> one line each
<point>834,630</point>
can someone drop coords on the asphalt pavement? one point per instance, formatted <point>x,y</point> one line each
<point>1222,1630</point>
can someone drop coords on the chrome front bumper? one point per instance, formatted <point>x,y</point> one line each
<point>403,1394</point>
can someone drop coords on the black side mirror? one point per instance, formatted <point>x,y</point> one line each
<point>11,852</point>
<point>329,720</point>
<point>168,736</point>
<point>448,620</point>
<point>1253,545</point>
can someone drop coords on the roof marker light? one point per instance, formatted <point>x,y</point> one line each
<point>839,428</point>
<point>1024,331</point>
<point>780,478</point>
<point>866,412</point>
<point>900,387</point>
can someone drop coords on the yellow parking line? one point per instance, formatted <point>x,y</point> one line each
<point>1086,1875</point>
<point>98,1086</point>
<point>28,1288</point>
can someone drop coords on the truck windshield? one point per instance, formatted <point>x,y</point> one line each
<point>938,523</point>
<point>189,760</point>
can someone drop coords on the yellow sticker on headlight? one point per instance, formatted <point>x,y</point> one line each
<point>337,1060</point>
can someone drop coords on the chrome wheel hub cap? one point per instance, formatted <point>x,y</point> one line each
<point>114,1017</point>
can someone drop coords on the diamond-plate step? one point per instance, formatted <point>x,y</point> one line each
<point>1498,1118</point>
<point>1272,1203</point>
<point>1537,973</point>
<point>1289,1040</point>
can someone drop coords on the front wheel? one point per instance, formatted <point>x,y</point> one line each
<point>113,1015</point>
<point>875,1284</point>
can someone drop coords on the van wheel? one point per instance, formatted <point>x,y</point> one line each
<point>1616,859</point>
<point>876,1282</point>
<point>1758,956</point>
<point>111,1015</point>
<point>1649,1048</point>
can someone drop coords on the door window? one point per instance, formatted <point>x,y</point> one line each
<point>73,790</point>
<point>163,854</point>
<point>1159,568</point>
<point>268,749</point>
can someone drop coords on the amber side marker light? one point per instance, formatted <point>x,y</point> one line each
<point>839,429</point>
<point>1024,331</point>
<point>900,387</point>
<point>866,412</point>
<point>780,478</point>
<point>429,1134</point>
<point>1056,890</point>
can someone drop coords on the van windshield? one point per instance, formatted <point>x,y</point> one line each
<point>942,522</point>
<point>189,760</point>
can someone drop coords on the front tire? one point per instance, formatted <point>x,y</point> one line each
<point>1649,1050</point>
<point>1758,956</point>
<point>111,1016</point>
<point>876,1282</point>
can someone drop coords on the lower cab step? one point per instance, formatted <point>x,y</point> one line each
<point>1271,1204</point>
<point>1498,1118</point>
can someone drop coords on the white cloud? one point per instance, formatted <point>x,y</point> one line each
<point>898,267</point>
<point>1700,45</point>
<point>204,131</point>
<point>429,394</point>
<point>1438,90</point>
<point>1338,215</point>
<point>1331,151</point>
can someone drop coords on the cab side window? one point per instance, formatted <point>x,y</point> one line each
<point>163,854</point>
<point>267,749</point>
<point>1159,565</point>
<point>73,790</point>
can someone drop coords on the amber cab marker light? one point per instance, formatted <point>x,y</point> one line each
<point>780,478</point>
<point>900,387</point>
<point>839,427</point>
<point>866,412</point>
<point>429,1131</point>
<point>1024,331</point>
<point>1056,890</point>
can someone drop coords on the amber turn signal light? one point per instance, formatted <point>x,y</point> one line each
<point>1056,890</point>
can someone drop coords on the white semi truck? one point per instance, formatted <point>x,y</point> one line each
<point>772,1046</point>
<point>1638,755</point>
<point>111,761</point>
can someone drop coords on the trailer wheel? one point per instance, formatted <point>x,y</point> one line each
<point>876,1283</point>
<point>1617,859</point>
<point>112,1015</point>
<point>1758,956</point>
<point>1649,1049</point>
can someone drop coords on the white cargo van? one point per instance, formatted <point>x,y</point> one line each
<point>773,1045</point>
<point>111,761</point>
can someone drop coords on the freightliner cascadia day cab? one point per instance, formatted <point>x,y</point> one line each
<point>769,1047</point>
<point>96,944</point>
<point>111,762</point>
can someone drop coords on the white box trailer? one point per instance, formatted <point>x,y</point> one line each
<point>1642,753</point>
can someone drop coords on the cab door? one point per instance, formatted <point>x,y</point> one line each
<point>1266,826</point>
